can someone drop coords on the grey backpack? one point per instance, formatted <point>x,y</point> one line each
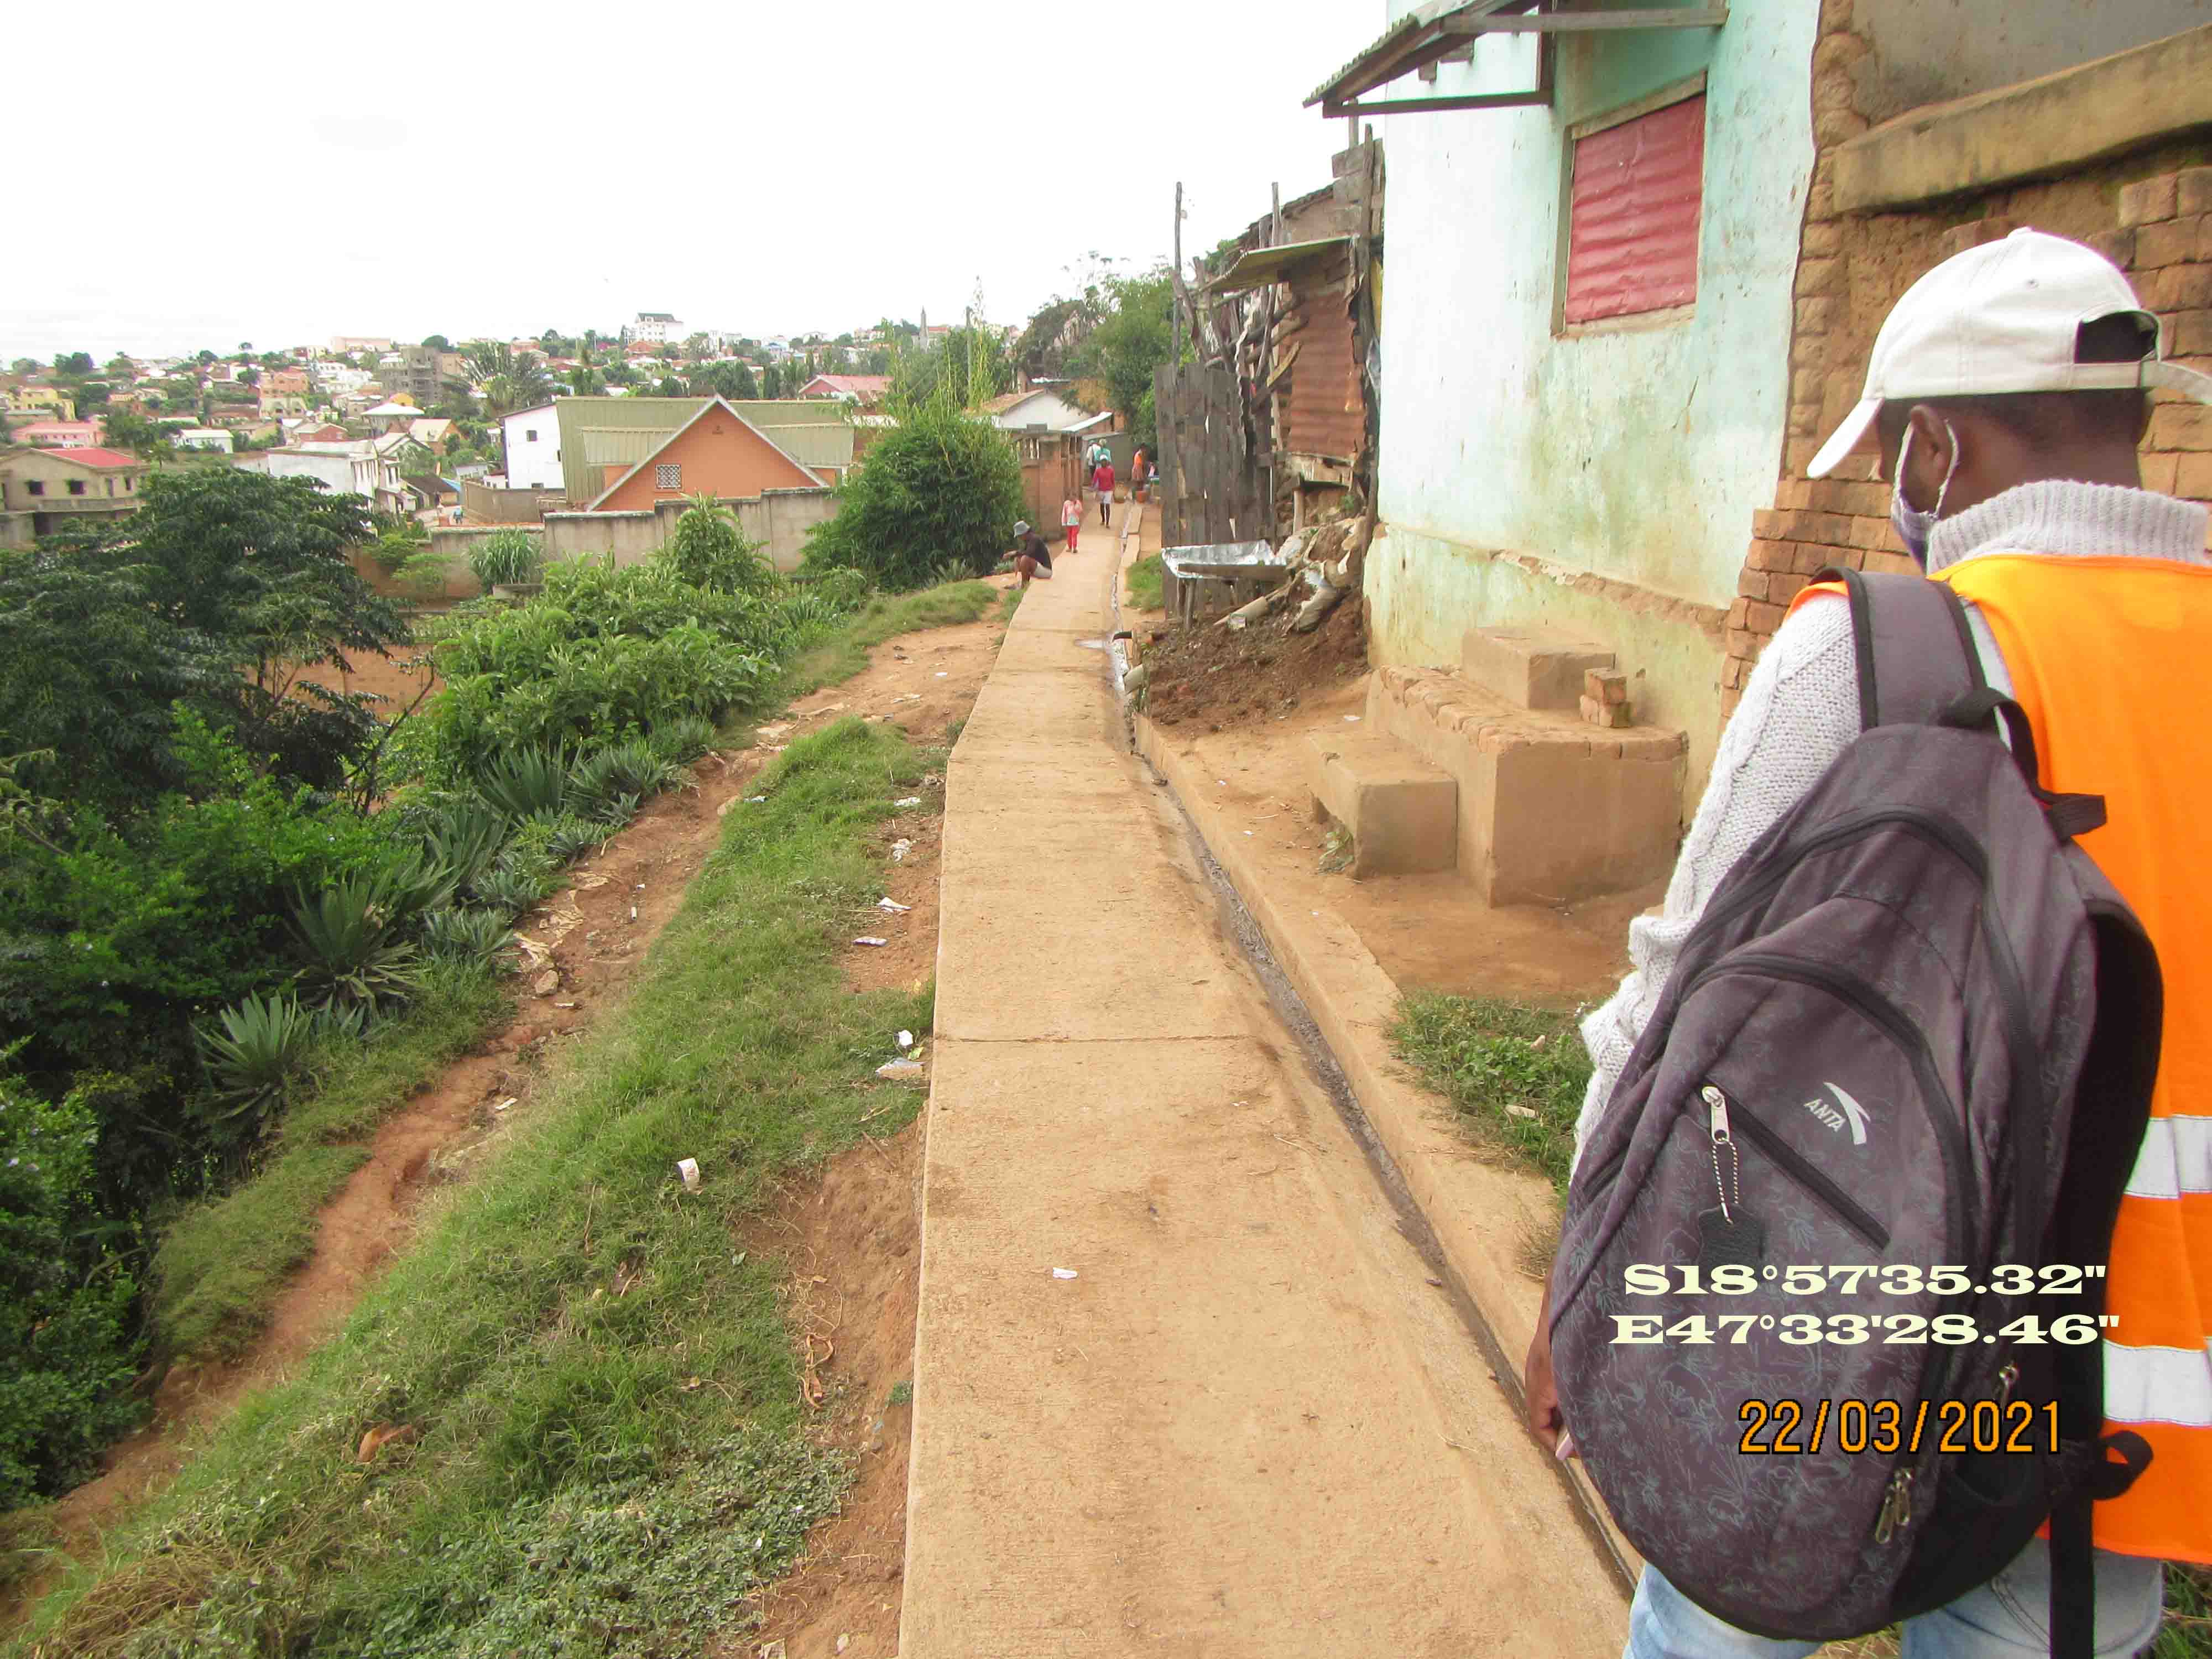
<point>1825,1311</point>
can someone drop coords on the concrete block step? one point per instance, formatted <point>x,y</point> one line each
<point>1533,667</point>
<point>1403,813</point>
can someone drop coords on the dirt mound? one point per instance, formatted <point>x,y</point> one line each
<point>1218,677</point>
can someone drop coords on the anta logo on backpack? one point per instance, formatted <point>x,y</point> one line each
<point>1845,1112</point>
<point>1921,924</point>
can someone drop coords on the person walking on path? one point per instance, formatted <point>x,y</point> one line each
<point>2007,397</point>
<point>1070,519</point>
<point>1102,480</point>
<point>1140,472</point>
<point>1031,556</point>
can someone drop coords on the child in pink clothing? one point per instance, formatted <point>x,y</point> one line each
<point>1070,519</point>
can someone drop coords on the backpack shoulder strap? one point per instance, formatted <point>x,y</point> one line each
<point>1916,655</point>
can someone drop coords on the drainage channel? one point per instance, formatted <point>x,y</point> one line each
<point>1321,1062</point>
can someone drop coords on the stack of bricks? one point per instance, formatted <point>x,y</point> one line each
<point>2149,215</point>
<point>1605,698</point>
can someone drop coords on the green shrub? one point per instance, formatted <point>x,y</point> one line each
<point>942,484</point>
<point>708,550</point>
<point>66,1357</point>
<point>505,558</point>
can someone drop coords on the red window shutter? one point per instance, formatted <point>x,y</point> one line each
<point>1632,229</point>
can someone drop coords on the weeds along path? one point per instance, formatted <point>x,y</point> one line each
<point>595,934</point>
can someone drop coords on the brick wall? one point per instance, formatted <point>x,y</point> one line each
<point>2150,213</point>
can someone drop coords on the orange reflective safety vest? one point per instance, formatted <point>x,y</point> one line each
<point>2096,649</point>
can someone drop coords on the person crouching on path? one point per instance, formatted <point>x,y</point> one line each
<point>1070,519</point>
<point>1031,555</point>
<point>1103,482</point>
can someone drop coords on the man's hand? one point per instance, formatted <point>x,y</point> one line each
<point>1540,1394</point>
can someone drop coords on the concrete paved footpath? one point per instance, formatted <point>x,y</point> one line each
<point>1250,1423</point>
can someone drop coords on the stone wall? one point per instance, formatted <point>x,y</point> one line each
<point>2151,213</point>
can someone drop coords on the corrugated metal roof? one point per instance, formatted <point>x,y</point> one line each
<point>597,433</point>
<point>1257,267</point>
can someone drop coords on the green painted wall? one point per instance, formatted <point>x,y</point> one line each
<point>1632,453</point>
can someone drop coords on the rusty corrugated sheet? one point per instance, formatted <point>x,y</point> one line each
<point>1632,241</point>
<point>1324,379</point>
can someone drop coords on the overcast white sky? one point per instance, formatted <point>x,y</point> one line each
<point>281,174</point>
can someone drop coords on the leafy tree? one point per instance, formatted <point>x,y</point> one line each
<point>66,1357</point>
<point>506,381</point>
<point>244,349</point>
<point>670,386</point>
<point>1134,338</point>
<point>586,381</point>
<point>73,363</point>
<point>438,343</point>
<point>117,367</point>
<point>942,486</point>
<point>137,434</point>
<point>772,381</point>
<point>24,366</point>
<point>223,590</point>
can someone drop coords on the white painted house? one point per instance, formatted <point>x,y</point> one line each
<point>1018,411</point>
<point>531,438</point>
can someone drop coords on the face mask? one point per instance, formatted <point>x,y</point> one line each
<point>1914,525</point>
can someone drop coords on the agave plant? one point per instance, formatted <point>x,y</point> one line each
<point>607,776</point>
<point>568,837</point>
<point>683,738</point>
<point>253,1051</point>
<point>413,885</point>
<point>467,934</point>
<point>518,881</point>
<point>524,784</point>
<point>465,837</point>
<point>354,961</point>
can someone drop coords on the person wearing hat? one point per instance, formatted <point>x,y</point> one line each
<point>1030,555</point>
<point>2005,398</point>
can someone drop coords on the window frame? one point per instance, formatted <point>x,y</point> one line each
<point>668,475</point>
<point>1675,92</point>
<point>76,487</point>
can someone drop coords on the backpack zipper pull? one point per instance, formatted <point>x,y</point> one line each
<point>1896,1508</point>
<point>1730,1186</point>
<point>2006,1378</point>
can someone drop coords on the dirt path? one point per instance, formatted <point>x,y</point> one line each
<point>1181,1385</point>
<point>595,933</point>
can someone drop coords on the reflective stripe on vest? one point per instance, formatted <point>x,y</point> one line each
<point>2100,652</point>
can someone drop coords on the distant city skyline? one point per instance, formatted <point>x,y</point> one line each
<point>916,152</point>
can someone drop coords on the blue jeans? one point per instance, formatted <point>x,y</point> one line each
<point>2006,1619</point>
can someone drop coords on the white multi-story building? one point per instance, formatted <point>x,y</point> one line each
<point>658,326</point>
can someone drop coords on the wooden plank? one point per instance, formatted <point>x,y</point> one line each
<point>1578,22</point>
<point>1472,100</point>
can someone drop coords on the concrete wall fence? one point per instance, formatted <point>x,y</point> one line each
<point>778,519</point>
<point>484,505</point>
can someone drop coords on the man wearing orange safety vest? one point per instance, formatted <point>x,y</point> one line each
<point>2007,394</point>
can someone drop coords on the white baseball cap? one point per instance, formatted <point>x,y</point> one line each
<point>2005,316</point>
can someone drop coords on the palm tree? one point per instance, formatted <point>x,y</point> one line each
<point>585,382</point>
<point>505,381</point>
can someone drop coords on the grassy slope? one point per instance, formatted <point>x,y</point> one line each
<point>609,1453</point>
<point>888,615</point>
<point>221,1264</point>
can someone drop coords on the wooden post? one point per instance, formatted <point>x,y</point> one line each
<point>1174,304</point>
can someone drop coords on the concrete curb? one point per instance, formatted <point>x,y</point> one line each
<point>1478,1212</point>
